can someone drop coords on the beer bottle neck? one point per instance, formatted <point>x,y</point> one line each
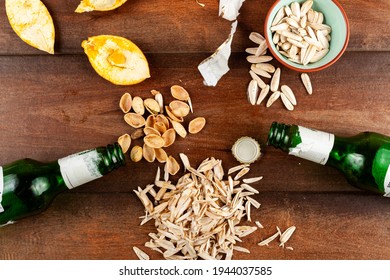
<point>86,166</point>
<point>302,142</point>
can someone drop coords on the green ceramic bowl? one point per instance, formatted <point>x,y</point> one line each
<point>334,16</point>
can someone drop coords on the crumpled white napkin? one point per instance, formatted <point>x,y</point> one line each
<point>229,9</point>
<point>216,65</point>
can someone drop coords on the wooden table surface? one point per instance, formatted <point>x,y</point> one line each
<point>52,106</point>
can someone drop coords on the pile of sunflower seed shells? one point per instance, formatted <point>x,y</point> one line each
<point>158,130</point>
<point>204,215</point>
<point>261,68</point>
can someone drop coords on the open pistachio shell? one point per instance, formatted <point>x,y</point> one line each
<point>152,106</point>
<point>134,120</point>
<point>148,153</point>
<point>154,141</point>
<point>161,155</point>
<point>125,142</point>
<point>179,108</point>
<point>179,93</point>
<point>126,102</point>
<point>196,125</point>
<point>169,137</point>
<point>172,167</point>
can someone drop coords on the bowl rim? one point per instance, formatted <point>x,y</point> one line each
<point>267,39</point>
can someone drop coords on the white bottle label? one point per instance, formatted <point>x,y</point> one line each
<point>80,168</point>
<point>1,188</point>
<point>387,183</point>
<point>315,146</point>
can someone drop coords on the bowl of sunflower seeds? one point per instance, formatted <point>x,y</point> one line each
<point>307,35</point>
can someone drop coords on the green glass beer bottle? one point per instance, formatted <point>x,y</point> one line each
<point>364,159</point>
<point>28,186</point>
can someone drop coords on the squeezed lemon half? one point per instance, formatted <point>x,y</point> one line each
<point>116,59</point>
<point>98,5</point>
<point>32,22</point>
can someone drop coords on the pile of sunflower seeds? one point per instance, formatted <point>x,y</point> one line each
<point>261,69</point>
<point>200,216</point>
<point>300,34</point>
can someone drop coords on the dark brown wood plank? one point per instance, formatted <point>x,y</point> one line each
<point>106,226</point>
<point>184,26</point>
<point>52,107</point>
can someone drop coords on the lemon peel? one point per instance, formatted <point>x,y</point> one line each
<point>32,22</point>
<point>116,59</point>
<point>98,5</point>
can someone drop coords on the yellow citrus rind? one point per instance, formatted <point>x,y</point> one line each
<point>98,5</point>
<point>32,22</point>
<point>116,59</point>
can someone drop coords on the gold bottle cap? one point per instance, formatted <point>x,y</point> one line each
<point>246,150</point>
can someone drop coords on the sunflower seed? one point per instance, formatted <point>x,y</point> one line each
<point>259,59</point>
<point>319,55</point>
<point>237,168</point>
<point>311,32</point>
<point>306,6</point>
<point>140,254</point>
<point>296,43</point>
<point>252,180</point>
<point>280,27</point>
<point>275,80</point>
<point>259,224</point>
<point>259,81</point>
<point>320,26</point>
<point>309,54</point>
<point>252,92</point>
<point>261,49</point>
<point>279,15</point>
<point>266,67</point>
<point>251,50</point>
<point>296,9</point>
<point>254,202</point>
<point>287,10</point>
<point>256,38</point>
<point>242,172</point>
<point>313,42</point>
<point>292,22</point>
<point>286,235</point>
<point>293,51</point>
<point>286,102</point>
<point>269,239</point>
<point>303,22</point>
<point>159,98</point>
<point>263,94</point>
<point>273,98</point>
<point>276,38</point>
<point>307,83</point>
<point>260,72</point>
<point>287,91</point>
<point>322,39</point>
<point>320,18</point>
<point>249,188</point>
<point>289,34</point>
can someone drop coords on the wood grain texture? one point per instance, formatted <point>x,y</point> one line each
<point>106,226</point>
<point>52,106</point>
<point>184,26</point>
